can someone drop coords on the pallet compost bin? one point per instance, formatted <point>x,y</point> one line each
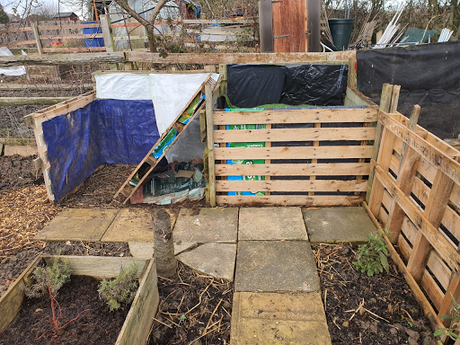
<point>136,328</point>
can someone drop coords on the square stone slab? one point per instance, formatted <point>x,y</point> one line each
<point>131,225</point>
<point>271,223</point>
<point>78,224</point>
<point>338,224</point>
<point>273,318</point>
<point>206,225</point>
<point>275,266</point>
<point>215,259</point>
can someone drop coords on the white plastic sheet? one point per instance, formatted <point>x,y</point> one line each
<point>14,71</point>
<point>124,86</point>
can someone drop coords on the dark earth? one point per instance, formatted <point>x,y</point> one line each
<point>195,308</point>
<point>95,324</point>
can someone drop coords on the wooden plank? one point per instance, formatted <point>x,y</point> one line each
<point>384,159</point>
<point>316,115</point>
<point>405,180</point>
<point>326,169</point>
<point>428,151</point>
<point>32,87</point>
<point>323,152</point>
<point>290,186</point>
<point>210,145</point>
<point>416,290</point>
<point>108,37</point>
<point>15,101</point>
<point>138,323</point>
<point>431,233</point>
<point>289,200</point>
<point>37,38</point>
<point>404,247</point>
<point>451,221</point>
<point>385,101</point>
<point>432,289</point>
<point>71,37</point>
<point>73,50</point>
<point>11,301</point>
<point>395,98</point>
<point>61,59</point>
<point>294,134</point>
<point>434,212</point>
<point>289,27</point>
<point>241,58</point>
<point>409,230</point>
<point>452,290</point>
<point>439,269</point>
<point>420,190</point>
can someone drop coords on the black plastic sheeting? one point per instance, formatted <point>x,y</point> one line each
<point>249,86</point>
<point>429,75</point>
<point>254,85</point>
<point>323,85</point>
<point>103,132</point>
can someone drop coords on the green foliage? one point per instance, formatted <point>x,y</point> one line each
<point>121,289</point>
<point>454,318</point>
<point>54,276</point>
<point>4,19</point>
<point>372,256</point>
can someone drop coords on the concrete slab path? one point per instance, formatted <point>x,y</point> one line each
<point>275,266</point>
<point>271,223</point>
<point>130,224</point>
<point>338,224</point>
<point>278,319</point>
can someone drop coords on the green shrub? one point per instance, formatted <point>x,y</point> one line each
<point>121,289</point>
<point>454,321</point>
<point>372,256</point>
<point>54,276</point>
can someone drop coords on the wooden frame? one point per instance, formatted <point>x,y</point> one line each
<point>286,139</point>
<point>415,194</point>
<point>137,325</point>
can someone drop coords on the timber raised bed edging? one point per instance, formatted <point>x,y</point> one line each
<point>138,322</point>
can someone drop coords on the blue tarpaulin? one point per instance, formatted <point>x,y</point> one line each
<point>103,132</point>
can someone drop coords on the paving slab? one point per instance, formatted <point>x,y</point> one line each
<point>271,223</point>
<point>338,224</point>
<point>206,225</point>
<point>131,225</point>
<point>141,250</point>
<point>215,259</point>
<point>78,225</point>
<point>25,151</point>
<point>273,318</point>
<point>275,266</point>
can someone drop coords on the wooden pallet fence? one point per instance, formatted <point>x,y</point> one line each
<point>310,157</point>
<point>416,195</point>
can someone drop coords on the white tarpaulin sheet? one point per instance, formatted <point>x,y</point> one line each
<point>169,93</point>
<point>14,71</point>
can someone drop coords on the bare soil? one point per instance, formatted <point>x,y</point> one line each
<point>78,300</point>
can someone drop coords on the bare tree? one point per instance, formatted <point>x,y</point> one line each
<point>149,24</point>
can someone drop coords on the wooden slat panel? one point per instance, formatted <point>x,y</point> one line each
<point>432,289</point>
<point>289,26</point>
<point>294,134</point>
<point>316,115</point>
<point>455,196</point>
<point>442,246</point>
<point>410,231</point>
<point>387,200</point>
<point>429,152</point>
<point>404,247</point>
<point>420,190</point>
<point>451,221</point>
<point>288,200</point>
<point>440,270</point>
<point>322,152</point>
<point>331,169</point>
<point>383,216</point>
<point>355,97</point>
<point>291,186</point>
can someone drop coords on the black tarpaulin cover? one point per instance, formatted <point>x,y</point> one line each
<point>254,85</point>
<point>429,75</point>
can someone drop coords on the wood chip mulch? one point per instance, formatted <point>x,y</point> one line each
<point>23,213</point>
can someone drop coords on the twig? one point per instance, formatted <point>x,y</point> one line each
<point>357,310</point>
<point>164,324</point>
<point>210,318</point>
<point>201,295</point>
<point>376,315</point>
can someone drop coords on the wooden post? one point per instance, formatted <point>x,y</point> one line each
<point>210,145</point>
<point>352,74</point>
<point>434,211</point>
<point>108,38</point>
<point>37,38</point>
<point>223,80</point>
<point>407,169</point>
<point>385,102</point>
<point>163,243</point>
